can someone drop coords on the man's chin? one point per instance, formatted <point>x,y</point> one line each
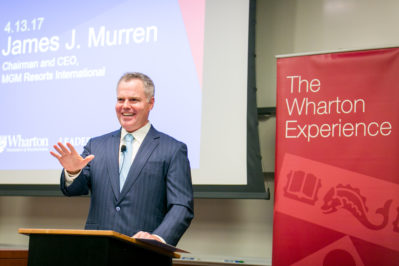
<point>130,127</point>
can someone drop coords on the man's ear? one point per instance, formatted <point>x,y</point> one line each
<point>152,101</point>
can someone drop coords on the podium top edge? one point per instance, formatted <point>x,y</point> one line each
<point>28,231</point>
<point>159,247</point>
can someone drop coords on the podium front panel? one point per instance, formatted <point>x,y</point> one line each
<point>87,250</point>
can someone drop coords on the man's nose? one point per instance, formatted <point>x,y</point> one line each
<point>125,103</point>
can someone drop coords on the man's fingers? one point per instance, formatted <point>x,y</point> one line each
<point>71,148</point>
<point>69,158</point>
<point>140,234</point>
<point>58,149</point>
<point>88,158</point>
<point>55,155</point>
<point>147,235</point>
<point>63,148</point>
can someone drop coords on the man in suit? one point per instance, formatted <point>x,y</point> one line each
<point>154,199</point>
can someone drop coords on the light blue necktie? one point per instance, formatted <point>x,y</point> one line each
<point>126,160</point>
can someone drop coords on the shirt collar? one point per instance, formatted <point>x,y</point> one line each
<point>139,134</point>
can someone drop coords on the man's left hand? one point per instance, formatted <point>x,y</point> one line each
<point>147,235</point>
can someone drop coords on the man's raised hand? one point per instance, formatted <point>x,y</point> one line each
<point>69,158</point>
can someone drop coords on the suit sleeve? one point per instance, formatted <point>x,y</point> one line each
<point>180,207</point>
<point>81,184</point>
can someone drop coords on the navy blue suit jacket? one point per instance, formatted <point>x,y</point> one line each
<point>157,196</point>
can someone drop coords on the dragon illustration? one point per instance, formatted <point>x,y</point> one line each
<point>349,198</point>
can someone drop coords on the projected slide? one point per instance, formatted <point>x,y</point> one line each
<point>61,60</point>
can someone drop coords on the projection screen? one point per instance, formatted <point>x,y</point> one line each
<point>61,60</point>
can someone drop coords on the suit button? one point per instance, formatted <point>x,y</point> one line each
<point>118,208</point>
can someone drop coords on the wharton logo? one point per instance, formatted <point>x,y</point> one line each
<point>16,143</point>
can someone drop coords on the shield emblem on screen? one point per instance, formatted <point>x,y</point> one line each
<point>3,143</point>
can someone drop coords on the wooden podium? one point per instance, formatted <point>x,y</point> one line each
<point>48,247</point>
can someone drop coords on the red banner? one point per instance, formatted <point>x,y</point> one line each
<point>337,159</point>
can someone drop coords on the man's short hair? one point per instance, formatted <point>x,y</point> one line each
<point>149,87</point>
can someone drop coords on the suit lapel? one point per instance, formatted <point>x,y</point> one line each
<point>112,161</point>
<point>150,142</point>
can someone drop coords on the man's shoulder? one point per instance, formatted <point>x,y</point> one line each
<point>165,138</point>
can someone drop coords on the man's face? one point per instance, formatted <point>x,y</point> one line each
<point>132,107</point>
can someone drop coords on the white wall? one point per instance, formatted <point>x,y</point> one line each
<point>240,228</point>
